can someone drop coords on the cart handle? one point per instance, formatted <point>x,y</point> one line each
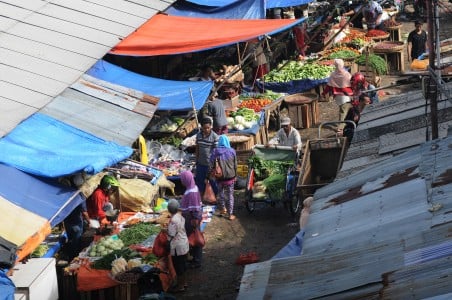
<point>278,147</point>
<point>334,123</point>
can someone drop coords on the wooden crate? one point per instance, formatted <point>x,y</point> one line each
<point>240,141</point>
<point>243,156</point>
<point>187,128</point>
<point>368,73</point>
<point>303,109</point>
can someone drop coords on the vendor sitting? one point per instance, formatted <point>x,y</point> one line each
<point>99,201</point>
<point>286,136</point>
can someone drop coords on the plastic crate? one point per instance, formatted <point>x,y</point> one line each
<point>242,170</point>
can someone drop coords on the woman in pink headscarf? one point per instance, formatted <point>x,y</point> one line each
<point>339,87</point>
<point>191,207</point>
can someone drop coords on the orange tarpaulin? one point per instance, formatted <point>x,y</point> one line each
<point>163,35</point>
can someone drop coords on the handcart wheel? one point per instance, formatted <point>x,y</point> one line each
<point>294,204</point>
<point>249,202</point>
<point>292,197</point>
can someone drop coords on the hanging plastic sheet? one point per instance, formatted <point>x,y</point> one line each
<point>248,9</point>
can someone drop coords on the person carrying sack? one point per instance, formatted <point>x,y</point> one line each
<point>225,158</point>
<point>192,212</point>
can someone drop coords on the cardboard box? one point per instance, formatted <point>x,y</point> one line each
<point>232,103</point>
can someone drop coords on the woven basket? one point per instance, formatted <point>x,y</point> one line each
<point>391,46</point>
<point>380,37</point>
<point>395,27</point>
<point>240,141</point>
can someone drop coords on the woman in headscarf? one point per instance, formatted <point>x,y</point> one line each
<point>339,87</point>
<point>227,159</point>
<point>192,212</point>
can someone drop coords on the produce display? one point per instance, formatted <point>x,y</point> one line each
<point>337,52</point>
<point>388,46</point>
<point>271,175</point>
<point>344,54</point>
<point>40,250</point>
<point>243,118</point>
<point>167,124</point>
<point>375,62</point>
<point>105,262</point>
<point>105,246</point>
<point>376,33</point>
<point>297,70</point>
<point>137,233</point>
<point>255,104</point>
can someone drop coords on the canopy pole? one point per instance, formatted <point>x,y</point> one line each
<point>193,107</point>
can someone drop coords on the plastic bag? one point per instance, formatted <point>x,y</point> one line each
<point>209,195</point>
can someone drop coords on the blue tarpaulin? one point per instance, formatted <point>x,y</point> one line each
<point>286,3</point>
<point>247,9</point>
<point>7,287</point>
<point>44,146</point>
<point>291,87</point>
<point>213,3</point>
<point>293,248</point>
<point>174,95</point>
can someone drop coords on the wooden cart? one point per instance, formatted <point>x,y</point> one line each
<point>322,160</point>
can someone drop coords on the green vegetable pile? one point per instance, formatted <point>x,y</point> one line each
<point>171,140</point>
<point>344,54</point>
<point>275,185</point>
<point>150,259</point>
<point>104,263</point>
<point>296,70</point>
<point>264,168</point>
<point>40,251</point>
<point>138,233</point>
<point>375,62</point>
<point>247,113</point>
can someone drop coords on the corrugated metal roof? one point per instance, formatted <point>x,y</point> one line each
<point>110,112</point>
<point>393,126</point>
<point>45,46</point>
<point>375,234</point>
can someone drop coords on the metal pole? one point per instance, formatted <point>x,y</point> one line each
<point>194,107</point>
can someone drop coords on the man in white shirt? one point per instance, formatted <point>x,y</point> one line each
<point>286,136</point>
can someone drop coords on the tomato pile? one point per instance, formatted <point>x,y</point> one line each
<point>376,32</point>
<point>255,104</point>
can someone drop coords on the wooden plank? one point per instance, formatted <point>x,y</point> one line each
<point>38,66</point>
<point>6,23</point>
<point>74,30</point>
<point>23,95</point>
<point>32,81</point>
<point>60,40</point>
<point>12,114</point>
<point>46,52</point>
<point>87,20</point>
<point>110,10</point>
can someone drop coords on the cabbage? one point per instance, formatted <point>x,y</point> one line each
<point>239,119</point>
<point>230,120</point>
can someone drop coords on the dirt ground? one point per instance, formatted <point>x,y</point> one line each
<point>267,229</point>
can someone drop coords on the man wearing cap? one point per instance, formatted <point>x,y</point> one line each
<point>286,136</point>
<point>417,42</point>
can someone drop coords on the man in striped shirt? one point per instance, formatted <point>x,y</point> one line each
<point>206,140</point>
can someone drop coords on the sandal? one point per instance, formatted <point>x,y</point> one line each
<point>222,213</point>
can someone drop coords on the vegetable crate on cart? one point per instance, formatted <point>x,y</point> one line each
<point>272,178</point>
<point>322,160</point>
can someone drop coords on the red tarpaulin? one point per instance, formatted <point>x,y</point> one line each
<point>163,34</point>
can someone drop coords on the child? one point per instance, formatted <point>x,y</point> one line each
<point>178,244</point>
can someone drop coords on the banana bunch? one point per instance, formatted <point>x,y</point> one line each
<point>118,265</point>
